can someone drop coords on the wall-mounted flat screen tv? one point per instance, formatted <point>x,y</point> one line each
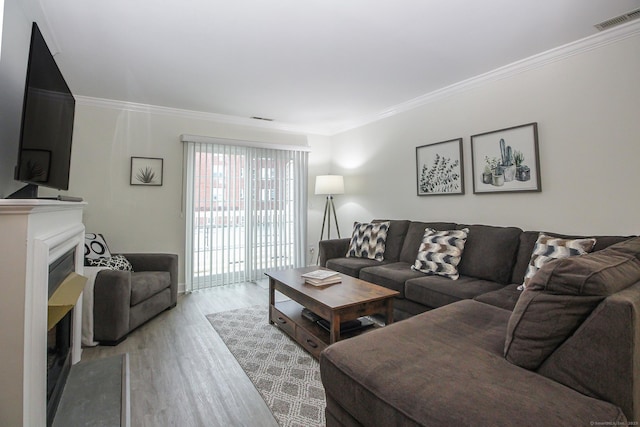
<point>46,132</point>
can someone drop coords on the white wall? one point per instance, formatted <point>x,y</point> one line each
<point>587,108</point>
<point>319,164</point>
<point>140,218</point>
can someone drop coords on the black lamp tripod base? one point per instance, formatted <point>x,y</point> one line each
<point>328,209</point>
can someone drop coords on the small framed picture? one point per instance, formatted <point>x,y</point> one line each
<point>439,168</point>
<point>146,171</point>
<point>506,160</point>
<point>34,165</point>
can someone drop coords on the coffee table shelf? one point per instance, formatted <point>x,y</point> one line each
<point>287,315</point>
<point>351,299</point>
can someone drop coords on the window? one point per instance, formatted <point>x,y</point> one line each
<point>231,238</point>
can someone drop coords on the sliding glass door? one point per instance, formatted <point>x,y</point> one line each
<point>246,210</point>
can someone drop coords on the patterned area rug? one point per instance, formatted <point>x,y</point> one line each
<point>287,377</point>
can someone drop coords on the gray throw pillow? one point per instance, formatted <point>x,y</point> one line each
<point>561,296</point>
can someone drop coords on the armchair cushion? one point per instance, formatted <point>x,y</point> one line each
<point>146,284</point>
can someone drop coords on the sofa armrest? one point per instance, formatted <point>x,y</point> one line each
<point>333,248</point>
<point>157,262</point>
<point>111,304</point>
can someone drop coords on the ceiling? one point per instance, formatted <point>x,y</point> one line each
<point>313,65</point>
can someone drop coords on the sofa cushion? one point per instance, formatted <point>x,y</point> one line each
<point>145,284</point>
<point>392,276</point>
<point>440,252</point>
<point>506,297</point>
<point>445,367</point>
<point>395,238</point>
<point>368,240</point>
<point>562,294</point>
<point>436,291</point>
<point>528,241</point>
<point>351,266</point>
<point>548,248</point>
<point>414,236</point>
<point>605,347</point>
<point>490,252</point>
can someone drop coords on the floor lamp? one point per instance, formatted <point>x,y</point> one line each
<point>329,185</point>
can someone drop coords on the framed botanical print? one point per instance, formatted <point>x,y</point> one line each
<point>146,171</point>
<point>506,160</point>
<point>439,168</point>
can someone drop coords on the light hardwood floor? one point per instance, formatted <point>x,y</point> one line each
<point>182,373</point>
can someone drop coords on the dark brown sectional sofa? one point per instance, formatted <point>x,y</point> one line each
<point>445,364</point>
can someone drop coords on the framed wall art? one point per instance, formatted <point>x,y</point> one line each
<point>506,160</point>
<point>35,165</point>
<point>439,168</point>
<point>146,171</point>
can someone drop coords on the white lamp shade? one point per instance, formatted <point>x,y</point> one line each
<point>329,184</point>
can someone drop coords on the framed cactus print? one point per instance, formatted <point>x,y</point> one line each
<point>439,168</point>
<point>146,171</point>
<point>506,160</point>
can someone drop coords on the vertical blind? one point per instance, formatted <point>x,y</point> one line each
<point>246,212</point>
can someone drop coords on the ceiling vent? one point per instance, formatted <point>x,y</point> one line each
<point>625,17</point>
<point>261,118</point>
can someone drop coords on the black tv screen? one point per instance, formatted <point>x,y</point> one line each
<point>44,156</point>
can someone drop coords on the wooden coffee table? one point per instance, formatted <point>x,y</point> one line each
<point>340,302</point>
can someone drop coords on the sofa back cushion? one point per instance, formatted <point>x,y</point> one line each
<point>490,252</point>
<point>528,242</point>
<point>601,359</point>
<point>413,239</point>
<point>562,294</point>
<point>395,238</point>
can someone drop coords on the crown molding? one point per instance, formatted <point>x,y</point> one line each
<point>586,44</point>
<point>196,115</point>
<point>560,53</point>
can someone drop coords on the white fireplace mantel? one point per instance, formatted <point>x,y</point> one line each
<point>33,234</point>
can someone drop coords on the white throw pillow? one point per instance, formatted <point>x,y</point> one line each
<point>440,252</point>
<point>548,248</point>
<point>95,246</point>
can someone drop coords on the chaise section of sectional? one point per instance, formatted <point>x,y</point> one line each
<point>446,367</point>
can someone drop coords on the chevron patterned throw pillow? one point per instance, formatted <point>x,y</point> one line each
<point>440,252</point>
<point>548,248</point>
<point>368,240</point>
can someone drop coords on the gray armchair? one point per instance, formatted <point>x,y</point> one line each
<point>124,300</point>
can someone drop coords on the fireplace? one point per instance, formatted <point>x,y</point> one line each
<point>59,336</point>
<point>36,234</point>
